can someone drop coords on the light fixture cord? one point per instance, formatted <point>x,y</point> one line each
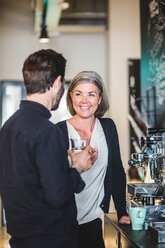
<point>46,2</point>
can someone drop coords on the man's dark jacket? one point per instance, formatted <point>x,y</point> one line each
<point>36,184</point>
<point>115,179</point>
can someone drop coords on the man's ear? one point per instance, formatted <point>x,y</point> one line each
<point>57,84</point>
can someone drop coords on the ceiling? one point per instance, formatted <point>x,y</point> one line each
<point>81,16</point>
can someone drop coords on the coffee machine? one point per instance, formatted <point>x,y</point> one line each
<point>152,157</point>
<point>151,195</point>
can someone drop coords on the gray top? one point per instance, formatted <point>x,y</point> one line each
<point>88,201</point>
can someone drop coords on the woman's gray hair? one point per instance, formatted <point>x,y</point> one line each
<point>89,77</point>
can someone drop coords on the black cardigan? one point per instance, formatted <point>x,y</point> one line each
<point>115,179</point>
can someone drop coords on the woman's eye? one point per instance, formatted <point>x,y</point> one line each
<point>92,95</point>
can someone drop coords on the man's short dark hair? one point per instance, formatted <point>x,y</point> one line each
<point>41,69</point>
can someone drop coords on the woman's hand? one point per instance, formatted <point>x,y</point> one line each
<point>125,220</point>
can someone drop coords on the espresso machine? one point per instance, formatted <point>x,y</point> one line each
<point>152,156</point>
<point>151,195</point>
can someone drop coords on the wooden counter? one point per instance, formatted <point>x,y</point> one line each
<point>122,236</point>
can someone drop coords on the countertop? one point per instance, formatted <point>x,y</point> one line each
<point>139,239</point>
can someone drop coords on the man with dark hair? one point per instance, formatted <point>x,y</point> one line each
<point>37,185</point>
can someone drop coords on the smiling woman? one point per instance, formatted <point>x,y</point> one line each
<point>87,102</point>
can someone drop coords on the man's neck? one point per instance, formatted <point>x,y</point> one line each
<point>43,99</point>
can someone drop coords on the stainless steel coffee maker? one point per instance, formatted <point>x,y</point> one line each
<point>153,156</point>
<point>151,195</point>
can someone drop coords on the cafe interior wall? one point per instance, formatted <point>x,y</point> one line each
<point>106,52</point>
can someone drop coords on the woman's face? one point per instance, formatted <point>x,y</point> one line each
<point>85,99</point>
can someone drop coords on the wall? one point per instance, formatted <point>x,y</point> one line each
<point>124,43</point>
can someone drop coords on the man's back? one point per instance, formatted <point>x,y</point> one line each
<point>30,173</point>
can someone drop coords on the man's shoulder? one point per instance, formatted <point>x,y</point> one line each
<point>9,122</point>
<point>27,124</point>
<point>61,124</point>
